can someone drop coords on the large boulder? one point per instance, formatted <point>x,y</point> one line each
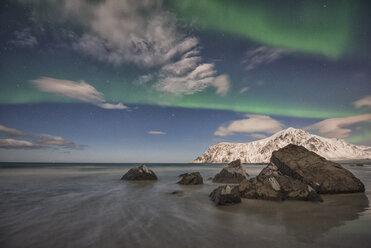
<point>140,173</point>
<point>233,173</point>
<point>271,184</point>
<point>324,176</point>
<point>193,178</point>
<point>225,195</point>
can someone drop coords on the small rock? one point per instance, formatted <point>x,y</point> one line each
<point>140,173</point>
<point>225,195</point>
<point>177,192</point>
<point>193,178</point>
<point>233,173</point>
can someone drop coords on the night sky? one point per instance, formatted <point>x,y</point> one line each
<point>161,81</point>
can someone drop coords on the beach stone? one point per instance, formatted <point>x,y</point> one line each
<point>324,176</point>
<point>233,173</point>
<point>225,195</point>
<point>271,184</point>
<point>177,192</point>
<point>140,173</point>
<point>193,178</point>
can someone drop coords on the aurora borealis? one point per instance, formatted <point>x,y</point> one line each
<point>93,71</point>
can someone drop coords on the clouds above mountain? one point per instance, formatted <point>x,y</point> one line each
<point>252,125</point>
<point>76,90</point>
<point>339,127</point>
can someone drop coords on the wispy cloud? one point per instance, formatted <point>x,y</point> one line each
<point>56,141</point>
<point>76,90</point>
<point>24,38</point>
<point>156,132</point>
<point>244,89</point>
<point>17,144</point>
<point>34,141</point>
<point>338,127</point>
<point>258,136</point>
<point>363,102</point>
<point>121,31</point>
<point>143,33</point>
<point>261,55</point>
<point>222,84</point>
<point>11,132</point>
<point>254,124</point>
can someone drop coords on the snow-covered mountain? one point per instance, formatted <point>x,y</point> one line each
<point>260,151</point>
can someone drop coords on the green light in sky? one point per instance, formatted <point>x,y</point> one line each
<point>306,26</point>
<point>363,137</point>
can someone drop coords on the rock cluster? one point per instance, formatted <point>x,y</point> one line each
<point>193,178</point>
<point>295,173</point>
<point>140,173</point>
<point>233,173</point>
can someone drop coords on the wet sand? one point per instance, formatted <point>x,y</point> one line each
<point>88,206</point>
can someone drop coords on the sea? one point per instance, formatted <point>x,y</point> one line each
<point>87,205</point>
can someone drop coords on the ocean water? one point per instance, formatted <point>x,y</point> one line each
<point>86,205</point>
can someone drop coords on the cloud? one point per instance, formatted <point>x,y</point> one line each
<point>222,84</point>
<point>255,123</point>
<point>143,33</point>
<point>17,144</point>
<point>187,76</point>
<point>24,38</point>
<point>48,140</point>
<point>262,55</point>
<point>244,89</point>
<point>34,142</point>
<point>337,127</point>
<point>156,132</point>
<point>258,136</point>
<point>363,102</point>
<point>126,31</point>
<point>76,90</point>
<point>11,132</point>
<point>144,79</point>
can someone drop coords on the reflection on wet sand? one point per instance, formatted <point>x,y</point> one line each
<point>307,221</point>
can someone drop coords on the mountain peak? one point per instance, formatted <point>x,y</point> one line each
<point>260,151</point>
<point>292,130</point>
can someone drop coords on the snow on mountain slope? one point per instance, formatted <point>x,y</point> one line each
<point>260,151</point>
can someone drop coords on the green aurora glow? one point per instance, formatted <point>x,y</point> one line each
<point>304,26</point>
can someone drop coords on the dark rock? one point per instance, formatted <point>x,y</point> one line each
<point>271,184</point>
<point>359,164</point>
<point>140,173</point>
<point>324,176</point>
<point>178,192</point>
<point>210,178</point>
<point>233,173</point>
<point>191,178</point>
<point>225,195</point>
